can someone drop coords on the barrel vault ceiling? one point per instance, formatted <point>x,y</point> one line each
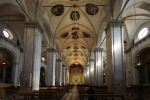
<point>75,26</point>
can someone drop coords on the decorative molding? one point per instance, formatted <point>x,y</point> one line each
<point>75,15</point>
<point>114,23</point>
<point>68,47</point>
<point>51,49</point>
<point>85,34</point>
<point>34,24</point>
<point>91,60</point>
<point>66,69</point>
<point>91,9</point>
<point>63,66</point>
<point>87,65</point>
<point>64,35</point>
<point>98,49</point>
<point>58,60</point>
<point>57,10</point>
<point>137,43</point>
<point>118,23</point>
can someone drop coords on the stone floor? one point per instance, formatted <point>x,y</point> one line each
<point>72,95</point>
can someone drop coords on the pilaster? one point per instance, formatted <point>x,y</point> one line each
<point>99,67</point>
<point>91,71</point>
<point>35,24</point>
<point>63,74</point>
<point>58,81</point>
<point>50,72</point>
<point>115,70</point>
<point>32,56</point>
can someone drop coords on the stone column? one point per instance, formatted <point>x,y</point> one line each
<point>63,74</point>
<point>4,74</point>
<point>99,67</point>
<point>114,46</point>
<point>129,69</point>
<point>66,76</point>
<point>91,72</point>
<point>32,56</point>
<point>58,72</point>
<point>87,74</point>
<point>50,71</point>
<point>15,70</point>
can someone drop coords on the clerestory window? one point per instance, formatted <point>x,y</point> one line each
<point>7,33</point>
<point>143,33</point>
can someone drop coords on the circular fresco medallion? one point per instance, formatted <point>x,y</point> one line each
<point>91,9</point>
<point>57,10</point>
<point>75,15</point>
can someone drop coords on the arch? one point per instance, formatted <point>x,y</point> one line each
<point>42,76</point>
<point>10,15</point>
<point>145,24</point>
<point>15,52</point>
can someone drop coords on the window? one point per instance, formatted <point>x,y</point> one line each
<point>43,59</point>
<point>7,34</point>
<point>143,33</point>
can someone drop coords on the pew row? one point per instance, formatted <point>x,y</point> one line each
<point>102,96</point>
<point>32,95</point>
<point>44,93</point>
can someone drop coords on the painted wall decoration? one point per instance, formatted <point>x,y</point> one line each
<point>91,9</point>
<point>75,15</point>
<point>57,10</point>
<point>64,35</point>
<point>85,34</point>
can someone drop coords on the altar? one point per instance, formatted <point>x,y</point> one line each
<point>3,86</point>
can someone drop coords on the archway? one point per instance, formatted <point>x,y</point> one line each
<point>76,74</point>
<point>42,76</point>
<point>6,66</point>
<point>143,65</point>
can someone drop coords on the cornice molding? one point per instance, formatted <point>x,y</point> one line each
<point>58,60</point>
<point>51,49</point>
<point>34,24</point>
<point>98,49</point>
<point>114,23</point>
<point>91,60</point>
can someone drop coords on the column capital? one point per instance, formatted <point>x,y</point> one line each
<point>116,23</point>
<point>66,69</point>
<point>63,66</point>
<point>98,49</point>
<point>34,24</point>
<point>51,49</point>
<point>91,60</point>
<point>58,60</point>
<point>87,65</point>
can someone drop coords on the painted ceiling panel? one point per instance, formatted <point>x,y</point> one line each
<point>75,24</point>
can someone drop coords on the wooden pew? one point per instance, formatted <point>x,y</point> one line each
<point>61,90</point>
<point>32,95</point>
<point>102,96</point>
<point>55,92</point>
<point>98,90</point>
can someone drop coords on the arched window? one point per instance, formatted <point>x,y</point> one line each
<point>43,59</point>
<point>143,33</point>
<point>7,34</point>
